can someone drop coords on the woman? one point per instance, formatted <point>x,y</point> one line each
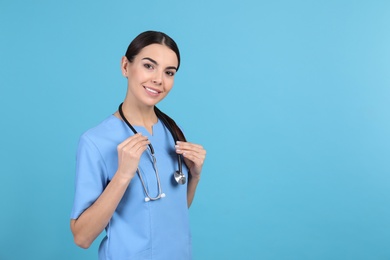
<point>125,180</point>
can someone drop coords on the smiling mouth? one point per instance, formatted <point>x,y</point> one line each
<point>152,90</point>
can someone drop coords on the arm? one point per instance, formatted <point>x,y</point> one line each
<point>94,219</point>
<point>194,156</point>
<point>191,188</point>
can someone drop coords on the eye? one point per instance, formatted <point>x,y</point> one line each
<point>148,66</point>
<point>170,73</point>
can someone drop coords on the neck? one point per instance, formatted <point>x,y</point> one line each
<point>138,116</point>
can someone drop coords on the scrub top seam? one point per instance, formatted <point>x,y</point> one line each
<point>100,154</point>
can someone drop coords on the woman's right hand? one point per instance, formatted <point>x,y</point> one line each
<point>129,154</point>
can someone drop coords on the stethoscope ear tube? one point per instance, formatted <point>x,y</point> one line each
<point>178,175</point>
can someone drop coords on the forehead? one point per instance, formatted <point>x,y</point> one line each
<point>160,53</point>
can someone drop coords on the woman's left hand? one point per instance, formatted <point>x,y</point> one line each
<point>194,156</point>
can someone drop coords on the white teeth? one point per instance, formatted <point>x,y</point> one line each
<point>151,90</point>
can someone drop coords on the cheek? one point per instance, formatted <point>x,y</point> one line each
<point>169,85</point>
<point>141,77</point>
<point>169,81</point>
<point>138,74</point>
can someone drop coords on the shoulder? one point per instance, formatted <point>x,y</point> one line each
<point>109,131</point>
<point>105,128</point>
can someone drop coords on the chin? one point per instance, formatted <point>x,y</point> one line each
<point>150,103</point>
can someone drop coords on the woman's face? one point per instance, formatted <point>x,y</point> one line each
<point>151,74</point>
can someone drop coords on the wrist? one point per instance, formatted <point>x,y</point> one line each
<point>194,178</point>
<point>123,177</point>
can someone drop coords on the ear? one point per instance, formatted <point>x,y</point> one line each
<point>124,63</point>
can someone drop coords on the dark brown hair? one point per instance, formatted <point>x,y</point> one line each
<point>151,37</point>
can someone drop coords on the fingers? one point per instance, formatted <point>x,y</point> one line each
<point>194,152</point>
<point>129,154</point>
<point>183,147</point>
<point>135,144</point>
<point>132,139</point>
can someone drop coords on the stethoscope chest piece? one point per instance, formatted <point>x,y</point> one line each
<point>180,177</point>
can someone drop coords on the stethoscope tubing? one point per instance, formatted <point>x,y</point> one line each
<point>160,193</point>
<point>179,176</point>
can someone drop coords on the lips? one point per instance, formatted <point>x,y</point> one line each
<point>152,91</point>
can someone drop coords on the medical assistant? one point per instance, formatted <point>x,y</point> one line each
<point>157,230</point>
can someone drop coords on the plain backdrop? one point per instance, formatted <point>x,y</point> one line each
<point>291,99</point>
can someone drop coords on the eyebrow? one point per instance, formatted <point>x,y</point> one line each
<point>156,63</point>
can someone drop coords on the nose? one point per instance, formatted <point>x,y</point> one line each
<point>157,80</point>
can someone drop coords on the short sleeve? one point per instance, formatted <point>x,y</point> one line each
<point>90,179</point>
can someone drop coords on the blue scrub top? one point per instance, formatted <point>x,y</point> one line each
<point>138,229</point>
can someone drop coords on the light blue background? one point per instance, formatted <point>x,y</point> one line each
<point>290,98</point>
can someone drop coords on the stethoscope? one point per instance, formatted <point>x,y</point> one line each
<point>178,175</point>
